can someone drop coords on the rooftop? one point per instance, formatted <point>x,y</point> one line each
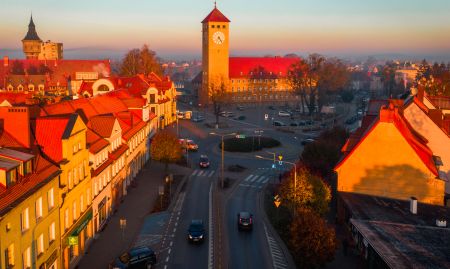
<point>16,155</point>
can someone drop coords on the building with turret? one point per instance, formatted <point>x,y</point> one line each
<point>35,48</point>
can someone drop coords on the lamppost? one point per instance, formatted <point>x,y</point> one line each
<point>222,146</point>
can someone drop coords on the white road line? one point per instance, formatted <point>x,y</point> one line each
<point>174,230</point>
<point>211,232</point>
<point>248,177</point>
<point>277,260</point>
<point>171,243</point>
<point>252,179</point>
<point>176,224</point>
<point>261,179</point>
<point>195,172</point>
<point>244,185</point>
<point>170,250</point>
<point>265,180</point>
<point>211,173</point>
<point>167,259</point>
<point>165,266</point>
<point>200,173</point>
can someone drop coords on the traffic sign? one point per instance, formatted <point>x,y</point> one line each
<point>266,116</point>
<point>273,165</point>
<point>280,157</point>
<point>277,203</point>
<point>240,136</point>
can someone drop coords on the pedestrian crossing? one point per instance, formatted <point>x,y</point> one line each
<point>279,261</point>
<point>254,181</point>
<point>203,173</point>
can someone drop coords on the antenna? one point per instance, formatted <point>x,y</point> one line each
<point>215,4</point>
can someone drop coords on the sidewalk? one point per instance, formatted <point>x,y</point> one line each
<point>138,203</point>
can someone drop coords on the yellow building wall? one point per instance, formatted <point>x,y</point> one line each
<point>384,164</point>
<point>23,240</point>
<point>81,189</point>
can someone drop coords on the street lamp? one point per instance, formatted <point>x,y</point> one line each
<point>222,146</point>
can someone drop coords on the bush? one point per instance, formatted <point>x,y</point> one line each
<point>249,144</point>
<point>347,96</point>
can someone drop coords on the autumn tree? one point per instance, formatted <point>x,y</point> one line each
<point>435,79</point>
<point>217,91</point>
<point>307,191</point>
<point>321,156</point>
<point>165,148</point>
<point>140,61</point>
<point>312,241</point>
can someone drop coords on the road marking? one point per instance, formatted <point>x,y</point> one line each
<point>174,230</point>
<point>165,266</point>
<point>167,259</point>
<point>179,203</point>
<point>275,251</point>
<point>265,180</point>
<point>171,243</point>
<point>176,224</point>
<point>211,232</point>
<point>195,172</point>
<point>261,179</point>
<point>252,179</point>
<point>170,250</point>
<point>211,173</point>
<point>249,176</point>
<point>200,173</point>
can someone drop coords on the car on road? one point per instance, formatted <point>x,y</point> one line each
<point>139,257</point>
<point>204,161</point>
<point>226,114</point>
<point>241,117</point>
<point>278,123</point>
<point>198,119</point>
<point>240,107</point>
<point>282,113</point>
<point>196,231</point>
<point>245,220</point>
<point>188,144</point>
<point>307,141</point>
<point>302,123</point>
<point>293,124</point>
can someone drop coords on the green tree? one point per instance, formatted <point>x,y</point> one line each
<point>312,241</point>
<point>165,148</point>
<point>140,61</point>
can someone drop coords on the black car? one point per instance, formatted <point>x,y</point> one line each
<point>307,141</point>
<point>139,257</point>
<point>196,231</point>
<point>271,107</point>
<point>245,221</point>
<point>204,161</point>
<point>278,123</point>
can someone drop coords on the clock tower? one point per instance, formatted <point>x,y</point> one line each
<point>215,51</point>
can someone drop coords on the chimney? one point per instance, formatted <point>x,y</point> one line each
<point>16,121</point>
<point>413,205</point>
<point>5,61</point>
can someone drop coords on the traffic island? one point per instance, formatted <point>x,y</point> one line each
<point>242,143</point>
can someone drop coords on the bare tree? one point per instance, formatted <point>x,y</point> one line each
<point>217,92</point>
<point>140,61</point>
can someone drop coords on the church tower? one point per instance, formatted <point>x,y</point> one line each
<point>215,51</point>
<point>31,42</point>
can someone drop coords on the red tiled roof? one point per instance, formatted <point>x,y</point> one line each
<point>44,171</point>
<point>7,140</point>
<point>15,98</point>
<point>49,134</point>
<point>106,104</point>
<point>441,102</point>
<point>134,102</point>
<point>57,109</point>
<point>85,105</point>
<point>102,124</point>
<point>86,87</point>
<point>118,152</point>
<point>241,67</point>
<point>215,16</point>
<point>95,142</point>
<point>392,115</point>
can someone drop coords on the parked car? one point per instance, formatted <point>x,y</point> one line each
<point>188,144</point>
<point>307,141</point>
<point>139,257</point>
<point>196,231</point>
<point>227,114</point>
<point>302,123</point>
<point>242,117</point>
<point>293,124</point>
<point>245,220</point>
<point>271,107</point>
<point>240,107</point>
<point>282,113</point>
<point>204,161</point>
<point>278,123</point>
<point>198,119</point>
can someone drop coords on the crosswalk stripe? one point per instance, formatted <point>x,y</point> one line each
<point>251,180</point>
<point>265,180</point>
<point>261,179</point>
<point>211,173</point>
<point>247,178</point>
<point>195,172</point>
<point>200,173</point>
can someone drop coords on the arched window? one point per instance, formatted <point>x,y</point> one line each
<point>103,88</point>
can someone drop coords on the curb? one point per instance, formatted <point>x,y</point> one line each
<point>274,233</point>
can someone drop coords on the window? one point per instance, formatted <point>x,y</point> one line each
<point>75,176</point>
<point>95,187</point>
<point>74,210</point>
<point>9,256</point>
<point>69,180</point>
<point>27,258</point>
<point>50,199</point>
<point>25,219</point>
<point>75,148</point>
<point>52,232</point>
<point>152,98</point>
<point>11,177</point>
<point>213,26</point>
<point>88,196</point>
<point>40,244</point>
<point>82,203</point>
<point>39,208</point>
<point>66,219</point>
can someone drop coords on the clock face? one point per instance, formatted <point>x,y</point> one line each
<point>218,38</point>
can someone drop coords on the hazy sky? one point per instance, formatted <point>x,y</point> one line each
<point>172,27</point>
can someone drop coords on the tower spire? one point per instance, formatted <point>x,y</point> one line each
<point>215,4</point>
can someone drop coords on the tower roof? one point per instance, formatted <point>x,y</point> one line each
<point>31,34</point>
<point>215,16</point>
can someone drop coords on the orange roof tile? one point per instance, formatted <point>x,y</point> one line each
<point>7,140</point>
<point>95,142</point>
<point>271,67</point>
<point>102,124</point>
<point>215,16</point>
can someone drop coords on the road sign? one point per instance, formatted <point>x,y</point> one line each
<point>280,162</point>
<point>240,136</point>
<point>280,157</point>
<point>72,240</point>
<point>273,165</point>
<point>266,116</point>
<point>277,203</point>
